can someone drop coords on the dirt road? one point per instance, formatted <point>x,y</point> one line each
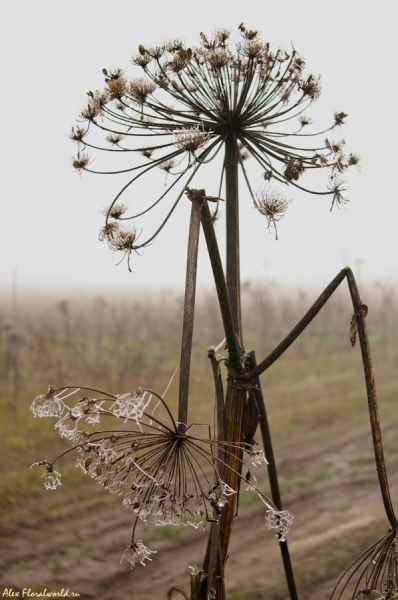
<point>336,511</point>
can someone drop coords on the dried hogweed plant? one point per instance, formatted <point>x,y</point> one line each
<point>223,102</point>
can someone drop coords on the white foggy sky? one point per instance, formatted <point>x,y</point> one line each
<point>53,53</point>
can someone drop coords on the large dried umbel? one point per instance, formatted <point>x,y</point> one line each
<point>179,112</point>
<point>165,473</point>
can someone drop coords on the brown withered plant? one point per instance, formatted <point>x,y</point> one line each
<point>223,102</point>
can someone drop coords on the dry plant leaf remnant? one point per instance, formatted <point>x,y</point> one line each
<point>354,324</point>
<point>179,111</point>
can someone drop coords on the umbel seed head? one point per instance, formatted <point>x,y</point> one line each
<point>182,108</point>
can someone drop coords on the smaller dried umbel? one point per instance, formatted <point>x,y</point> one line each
<point>119,237</point>
<point>191,139</point>
<point>116,211</point>
<point>137,552</point>
<point>271,203</point>
<point>81,162</point>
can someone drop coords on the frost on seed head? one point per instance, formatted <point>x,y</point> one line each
<point>137,552</point>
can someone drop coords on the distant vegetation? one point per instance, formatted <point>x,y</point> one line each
<point>118,343</point>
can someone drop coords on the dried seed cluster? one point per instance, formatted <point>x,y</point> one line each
<point>271,202</point>
<point>188,101</point>
<point>165,476</point>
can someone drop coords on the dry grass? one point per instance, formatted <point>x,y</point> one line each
<point>314,393</point>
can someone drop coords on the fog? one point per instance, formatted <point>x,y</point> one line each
<point>52,216</point>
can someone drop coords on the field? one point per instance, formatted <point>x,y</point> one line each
<point>74,537</point>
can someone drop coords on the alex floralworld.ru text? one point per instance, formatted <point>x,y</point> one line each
<point>28,593</point>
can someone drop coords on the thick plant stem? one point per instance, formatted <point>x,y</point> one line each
<point>235,398</point>
<point>359,316</point>
<point>234,347</point>
<point>232,231</point>
<point>198,585</point>
<point>188,317</point>
<point>234,402</point>
<point>236,394</point>
<point>272,474</point>
<point>213,550</point>
<point>213,568</point>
